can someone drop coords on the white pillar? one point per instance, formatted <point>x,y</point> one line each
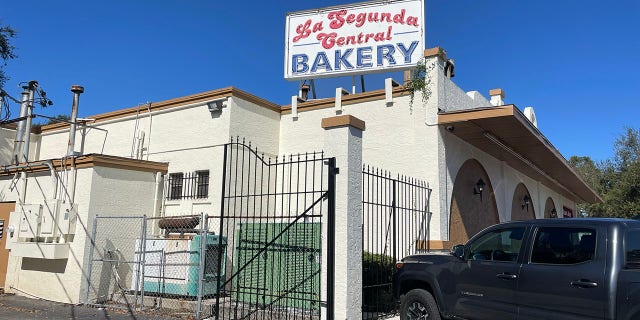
<point>343,140</point>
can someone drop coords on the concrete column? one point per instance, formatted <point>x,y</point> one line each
<point>343,140</point>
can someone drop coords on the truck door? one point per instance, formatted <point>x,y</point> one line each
<point>564,275</point>
<point>486,288</point>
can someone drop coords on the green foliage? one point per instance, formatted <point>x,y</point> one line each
<point>419,82</point>
<point>617,180</point>
<point>377,270</point>
<point>6,50</point>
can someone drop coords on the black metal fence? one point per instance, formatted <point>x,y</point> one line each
<point>273,214</point>
<point>396,218</point>
<point>267,254</point>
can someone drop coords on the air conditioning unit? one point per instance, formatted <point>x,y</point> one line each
<point>171,265</point>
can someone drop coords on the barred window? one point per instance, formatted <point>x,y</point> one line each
<point>202,188</point>
<point>175,185</point>
<point>188,185</point>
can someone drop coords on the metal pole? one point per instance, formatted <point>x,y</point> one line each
<point>393,217</point>
<point>331,238</point>
<point>16,156</point>
<point>203,252</point>
<point>77,90</point>
<point>141,266</point>
<point>27,130</point>
<point>220,251</point>
<point>92,245</point>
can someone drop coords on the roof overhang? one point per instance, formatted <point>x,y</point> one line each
<point>506,134</point>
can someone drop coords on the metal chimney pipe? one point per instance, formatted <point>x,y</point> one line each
<point>16,156</point>
<point>27,130</point>
<point>77,90</point>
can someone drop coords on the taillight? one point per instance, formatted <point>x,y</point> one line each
<point>399,265</point>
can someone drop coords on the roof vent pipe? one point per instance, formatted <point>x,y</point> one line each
<point>33,85</point>
<point>304,92</point>
<point>77,90</point>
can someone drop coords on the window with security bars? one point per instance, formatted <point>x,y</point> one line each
<point>202,188</point>
<point>188,185</point>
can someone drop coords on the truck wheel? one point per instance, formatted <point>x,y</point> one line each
<point>419,304</point>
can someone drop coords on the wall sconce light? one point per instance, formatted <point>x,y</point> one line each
<point>479,188</point>
<point>217,105</point>
<point>525,202</point>
<point>554,213</point>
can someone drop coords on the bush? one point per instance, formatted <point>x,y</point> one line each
<point>377,272</point>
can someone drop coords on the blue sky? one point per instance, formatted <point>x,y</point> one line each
<point>576,62</point>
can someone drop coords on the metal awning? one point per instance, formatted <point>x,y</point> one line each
<point>506,134</point>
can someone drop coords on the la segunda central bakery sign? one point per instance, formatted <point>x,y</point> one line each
<point>354,39</point>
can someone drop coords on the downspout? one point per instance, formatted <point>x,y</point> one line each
<point>156,196</point>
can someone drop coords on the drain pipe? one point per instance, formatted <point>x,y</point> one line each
<point>27,130</point>
<point>77,90</point>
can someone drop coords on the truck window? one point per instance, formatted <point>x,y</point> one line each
<point>632,249</point>
<point>563,245</point>
<point>498,245</point>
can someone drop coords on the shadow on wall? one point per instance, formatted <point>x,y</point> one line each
<point>473,204</point>
<point>522,205</point>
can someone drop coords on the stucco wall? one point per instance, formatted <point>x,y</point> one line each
<point>104,191</point>
<point>61,276</point>
<point>7,137</point>
<point>504,179</point>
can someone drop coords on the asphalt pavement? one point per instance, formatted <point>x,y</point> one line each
<point>15,307</point>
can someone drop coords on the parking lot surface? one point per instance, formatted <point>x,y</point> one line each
<point>18,308</point>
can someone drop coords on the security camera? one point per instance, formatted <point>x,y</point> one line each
<point>450,128</point>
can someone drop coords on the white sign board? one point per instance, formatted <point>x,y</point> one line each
<point>359,38</point>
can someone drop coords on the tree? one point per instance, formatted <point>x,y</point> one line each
<point>617,180</point>
<point>6,50</point>
<point>627,149</point>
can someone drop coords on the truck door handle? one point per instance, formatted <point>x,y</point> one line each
<point>584,283</point>
<point>506,276</point>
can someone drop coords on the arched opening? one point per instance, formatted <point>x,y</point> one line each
<point>550,210</point>
<point>473,204</point>
<point>522,205</point>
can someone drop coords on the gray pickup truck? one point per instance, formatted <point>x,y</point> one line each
<point>540,269</point>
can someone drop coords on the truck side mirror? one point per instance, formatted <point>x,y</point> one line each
<point>458,251</point>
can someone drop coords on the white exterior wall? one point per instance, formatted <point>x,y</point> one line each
<point>504,179</point>
<point>259,125</point>
<point>104,191</point>
<point>7,136</point>
<point>188,137</point>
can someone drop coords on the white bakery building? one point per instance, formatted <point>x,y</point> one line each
<point>120,164</point>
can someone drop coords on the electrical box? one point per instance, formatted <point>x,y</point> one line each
<point>67,216</point>
<point>49,218</point>
<point>171,265</point>
<point>29,220</point>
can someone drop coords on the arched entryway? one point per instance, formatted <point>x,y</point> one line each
<point>550,210</point>
<point>473,204</point>
<point>522,205</point>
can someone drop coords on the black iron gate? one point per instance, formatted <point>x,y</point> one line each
<point>274,213</point>
<point>396,223</point>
